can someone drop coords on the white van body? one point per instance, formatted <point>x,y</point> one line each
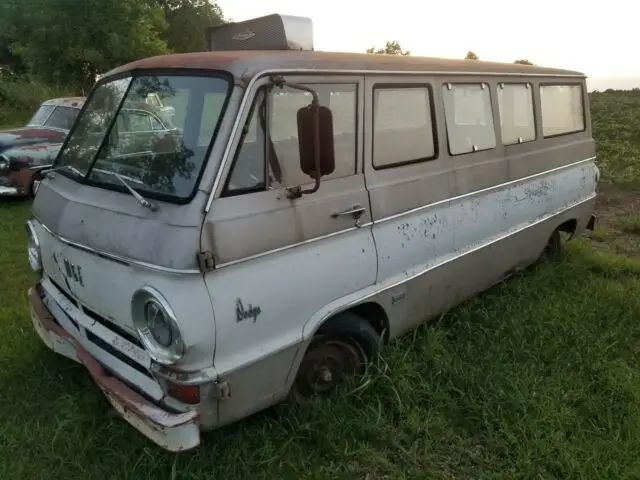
<point>258,290</point>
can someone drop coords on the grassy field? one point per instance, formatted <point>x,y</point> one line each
<point>537,378</point>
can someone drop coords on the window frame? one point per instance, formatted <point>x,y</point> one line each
<point>582,106</point>
<point>238,147</point>
<point>536,134</point>
<point>487,87</point>
<point>265,85</point>
<point>434,125</point>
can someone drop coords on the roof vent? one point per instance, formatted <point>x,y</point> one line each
<point>271,32</point>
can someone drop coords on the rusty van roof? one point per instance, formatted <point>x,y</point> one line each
<point>246,64</point>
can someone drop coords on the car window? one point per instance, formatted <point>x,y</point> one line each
<point>136,121</point>
<point>62,117</point>
<point>41,115</point>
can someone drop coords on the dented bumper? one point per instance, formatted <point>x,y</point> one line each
<point>172,431</point>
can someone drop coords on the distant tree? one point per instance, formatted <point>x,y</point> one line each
<point>523,61</point>
<point>68,42</point>
<point>187,21</point>
<point>391,48</point>
<point>471,56</point>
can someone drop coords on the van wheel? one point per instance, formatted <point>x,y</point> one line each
<point>554,247</point>
<point>343,347</point>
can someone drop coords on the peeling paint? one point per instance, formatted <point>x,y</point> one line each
<point>468,222</point>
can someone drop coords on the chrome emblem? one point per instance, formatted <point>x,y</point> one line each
<point>70,271</point>
<point>242,36</point>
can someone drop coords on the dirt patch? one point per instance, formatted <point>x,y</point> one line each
<point>618,222</point>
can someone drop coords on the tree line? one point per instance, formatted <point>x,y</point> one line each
<point>70,41</point>
<point>392,47</point>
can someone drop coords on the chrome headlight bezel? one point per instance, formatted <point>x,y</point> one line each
<point>162,354</point>
<point>34,252</point>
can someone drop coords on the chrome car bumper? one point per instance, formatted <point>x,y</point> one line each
<point>8,191</point>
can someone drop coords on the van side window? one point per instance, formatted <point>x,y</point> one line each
<point>562,109</point>
<point>248,173</point>
<point>469,117</point>
<point>403,125</point>
<point>283,106</point>
<point>515,106</point>
<point>248,170</point>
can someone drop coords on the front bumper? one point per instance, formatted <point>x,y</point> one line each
<point>8,191</point>
<point>172,431</point>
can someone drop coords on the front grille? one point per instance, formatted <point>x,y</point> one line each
<point>111,326</point>
<point>116,353</point>
<point>64,292</point>
<point>96,340</point>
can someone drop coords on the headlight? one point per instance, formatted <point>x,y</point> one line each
<point>157,326</point>
<point>33,247</point>
<point>4,163</point>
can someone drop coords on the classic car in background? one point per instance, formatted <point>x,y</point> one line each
<point>27,150</point>
<point>33,149</point>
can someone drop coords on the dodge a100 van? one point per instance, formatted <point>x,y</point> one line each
<point>302,209</point>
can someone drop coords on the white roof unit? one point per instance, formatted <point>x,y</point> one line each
<point>271,32</point>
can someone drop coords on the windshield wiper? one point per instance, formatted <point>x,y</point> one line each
<point>47,171</point>
<point>143,201</point>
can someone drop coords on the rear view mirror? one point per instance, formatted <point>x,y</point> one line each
<point>316,147</point>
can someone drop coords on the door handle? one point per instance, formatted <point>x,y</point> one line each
<point>356,212</point>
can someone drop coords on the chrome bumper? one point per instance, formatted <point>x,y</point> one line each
<point>8,191</point>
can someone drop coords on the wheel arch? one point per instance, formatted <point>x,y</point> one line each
<point>370,311</point>
<point>569,226</point>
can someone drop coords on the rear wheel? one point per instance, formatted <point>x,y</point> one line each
<point>341,349</point>
<point>554,247</point>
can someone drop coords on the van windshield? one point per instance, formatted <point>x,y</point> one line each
<point>152,130</point>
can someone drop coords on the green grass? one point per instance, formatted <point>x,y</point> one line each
<point>537,378</point>
<point>630,224</point>
<point>615,124</point>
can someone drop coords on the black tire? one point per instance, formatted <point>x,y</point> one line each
<point>344,346</point>
<point>554,247</point>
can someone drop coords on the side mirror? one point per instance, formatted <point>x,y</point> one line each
<point>315,141</point>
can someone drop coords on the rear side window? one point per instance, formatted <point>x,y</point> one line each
<point>562,109</point>
<point>469,117</point>
<point>515,104</point>
<point>403,127</point>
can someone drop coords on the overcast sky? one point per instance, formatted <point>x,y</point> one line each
<point>598,39</point>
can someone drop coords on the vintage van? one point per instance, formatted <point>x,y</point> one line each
<point>306,208</point>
